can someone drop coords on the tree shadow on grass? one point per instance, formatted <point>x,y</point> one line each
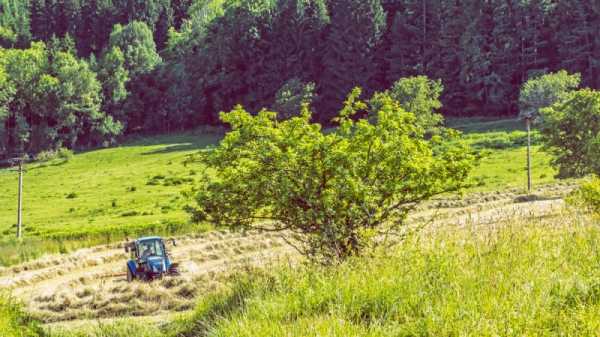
<point>176,148</point>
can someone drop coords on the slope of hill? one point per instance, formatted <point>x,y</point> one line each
<point>102,196</point>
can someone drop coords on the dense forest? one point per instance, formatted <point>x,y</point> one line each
<point>80,73</point>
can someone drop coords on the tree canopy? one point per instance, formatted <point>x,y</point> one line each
<point>336,191</point>
<point>543,91</point>
<point>175,64</point>
<point>51,99</point>
<point>571,131</point>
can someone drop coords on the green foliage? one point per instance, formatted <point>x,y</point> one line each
<point>62,153</point>
<point>7,92</point>
<point>14,322</point>
<point>7,37</point>
<point>292,96</point>
<point>541,92</point>
<point>588,196</point>
<point>571,132</point>
<point>114,76</point>
<point>14,23</point>
<point>335,190</point>
<point>54,100</point>
<point>137,45</point>
<point>420,96</point>
<point>529,279</point>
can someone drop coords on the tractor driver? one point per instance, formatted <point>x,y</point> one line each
<point>147,251</point>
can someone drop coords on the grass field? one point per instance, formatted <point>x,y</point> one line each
<point>100,196</point>
<point>519,278</point>
<point>105,195</point>
<point>14,322</point>
<point>502,143</point>
<point>528,279</point>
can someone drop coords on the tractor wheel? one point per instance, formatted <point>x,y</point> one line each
<point>129,275</point>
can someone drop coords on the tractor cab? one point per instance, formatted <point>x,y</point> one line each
<point>149,259</point>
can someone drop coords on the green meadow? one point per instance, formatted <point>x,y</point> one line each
<point>105,195</point>
<point>521,278</point>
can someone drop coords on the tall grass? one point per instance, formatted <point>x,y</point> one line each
<point>534,279</point>
<point>14,322</point>
<point>121,328</point>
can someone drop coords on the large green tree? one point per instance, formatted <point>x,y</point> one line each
<point>543,91</point>
<point>571,132</point>
<point>336,191</point>
<point>55,101</point>
<point>137,44</point>
<point>114,76</point>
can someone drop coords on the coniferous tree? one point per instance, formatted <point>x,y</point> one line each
<point>403,54</point>
<point>356,28</point>
<point>452,25</point>
<point>577,35</point>
<point>14,23</point>
<point>293,45</point>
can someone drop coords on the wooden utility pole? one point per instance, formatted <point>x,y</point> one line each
<point>20,201</point>
<point>20,162</point>
<point>528,122</point>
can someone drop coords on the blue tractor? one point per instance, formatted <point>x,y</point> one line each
<point>149,259</point>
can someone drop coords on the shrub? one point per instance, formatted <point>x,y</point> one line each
<point>45,156</point>
<point>14,322</point>
<point>587,196</point>
<point>71,195</point>
<point>571,132</point>
<point>64,154</point>
<point>421,96</point>
<point>337,190</point>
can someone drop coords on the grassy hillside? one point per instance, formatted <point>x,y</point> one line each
<point>526,279</point>
<point>104,195</point>
<point>521,278</point>
<point>502,144</point>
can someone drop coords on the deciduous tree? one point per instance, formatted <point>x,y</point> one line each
<point>335,191</point>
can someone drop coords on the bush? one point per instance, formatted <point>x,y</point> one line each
<point>571,132</point>
<point>337,190</point>
<point>14,322</point>
<point>71,195</point>
<point>62,153</point>
<point>587,196</point>
<point>45,156</point>
<point>418,95</point>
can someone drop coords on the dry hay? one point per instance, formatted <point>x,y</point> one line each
<point>84,287</point>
